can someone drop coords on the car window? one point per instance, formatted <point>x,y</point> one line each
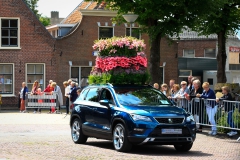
<point>83,94</point>
<point>141,96</point>
<point>106,94</point>
<point>92,95</point>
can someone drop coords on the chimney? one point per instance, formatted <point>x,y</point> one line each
<point>54,14</point>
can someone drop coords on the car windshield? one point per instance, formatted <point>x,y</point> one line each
<point>141,96</point>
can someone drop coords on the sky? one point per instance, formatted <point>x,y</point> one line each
<point>65,7</point>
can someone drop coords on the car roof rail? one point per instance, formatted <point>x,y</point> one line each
<point>109,84</point>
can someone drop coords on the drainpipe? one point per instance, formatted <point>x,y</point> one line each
<point>164,63</point>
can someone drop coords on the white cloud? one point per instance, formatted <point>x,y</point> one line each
<point>65,7</point>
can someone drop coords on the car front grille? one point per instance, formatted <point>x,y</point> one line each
<point>157,132</point>
<point>170,120</point>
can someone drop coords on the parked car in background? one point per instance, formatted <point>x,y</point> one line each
<point>130,115</point>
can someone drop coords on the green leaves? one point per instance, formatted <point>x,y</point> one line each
<point>120,78</point>
<point>32,4</point>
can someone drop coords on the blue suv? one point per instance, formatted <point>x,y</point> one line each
<point>130,115</point>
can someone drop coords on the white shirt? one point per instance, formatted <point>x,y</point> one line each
<point>67,91</point>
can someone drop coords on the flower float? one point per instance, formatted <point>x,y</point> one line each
<point>120,60</point>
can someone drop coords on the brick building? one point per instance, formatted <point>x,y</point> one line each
<point>92,22</point>
<point>26,51</point>
<point>197,57</point>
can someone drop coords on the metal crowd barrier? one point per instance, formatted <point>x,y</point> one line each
<point>226,113</point>
<point>45,100</point>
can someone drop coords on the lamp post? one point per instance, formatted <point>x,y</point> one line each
<point>130,18</point>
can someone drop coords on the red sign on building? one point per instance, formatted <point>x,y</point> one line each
<point>234,49</point>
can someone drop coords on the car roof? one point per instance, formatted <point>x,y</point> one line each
<point>115,86</point>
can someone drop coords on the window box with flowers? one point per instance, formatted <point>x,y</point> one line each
<point>120,60</point>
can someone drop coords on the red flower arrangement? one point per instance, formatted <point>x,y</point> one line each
<point>120,60</point>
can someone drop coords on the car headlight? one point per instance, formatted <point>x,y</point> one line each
<point>190,119</point>
<point>136,117</point>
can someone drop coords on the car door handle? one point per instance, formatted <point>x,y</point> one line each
<point>94,109</point>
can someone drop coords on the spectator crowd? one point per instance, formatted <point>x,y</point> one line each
<point>72,91</point>
<point>201,98</point>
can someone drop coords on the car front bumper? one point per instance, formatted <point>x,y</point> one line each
<point>155,136</point>
<point>161,140</point>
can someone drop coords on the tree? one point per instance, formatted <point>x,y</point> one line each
<point>223,21</point>
<point>159,18</point>
<point>45,20</point>
<point>32,4</point>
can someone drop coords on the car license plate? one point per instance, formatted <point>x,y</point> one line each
<point>171,131</point>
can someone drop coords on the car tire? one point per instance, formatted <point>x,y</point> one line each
<point>183,147</point>
<point>120,140</point>
<point>76,132</point>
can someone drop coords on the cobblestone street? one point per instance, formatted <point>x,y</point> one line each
<point>47,136</point>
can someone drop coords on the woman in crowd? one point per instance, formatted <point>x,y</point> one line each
<point>228,107</point>
<point>173,95</point>
<point>197,107</point>
<point>181,95</point>
<point>175,90</point>
<point>208,93</point>
<point>58,92</point>
<point>165,90</point>
<point>49,91</point>
<point>34,92</point>
<point>23,93</point>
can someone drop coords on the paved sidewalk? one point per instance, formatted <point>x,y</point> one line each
<point>47,136</point>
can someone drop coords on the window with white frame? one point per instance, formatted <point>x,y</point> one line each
<point>6,78</point>
<point>185,73</point>
<point>210,52</point>
<point>135,32</point>
<point>189,53</point>
<point>80,74</point>
<point>105,32</point>
<point>10,33</point>
<point>35,72</point>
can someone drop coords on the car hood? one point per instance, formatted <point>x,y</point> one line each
<point>155,110</point>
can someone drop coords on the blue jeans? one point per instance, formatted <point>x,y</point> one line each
<point>230,120</point>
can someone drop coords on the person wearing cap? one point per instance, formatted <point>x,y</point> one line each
<point>181,95</point>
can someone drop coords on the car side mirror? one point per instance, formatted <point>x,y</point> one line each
<point>104,102</point>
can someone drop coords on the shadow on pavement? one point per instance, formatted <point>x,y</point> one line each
<point>151,150</point>
<point>220,135</point>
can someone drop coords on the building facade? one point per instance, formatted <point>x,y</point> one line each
<point>26,51</point>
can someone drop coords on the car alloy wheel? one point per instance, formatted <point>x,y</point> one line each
<point>118,137</point>
<point>75,131</point>
<point>120,140</point>
<point>77,135</point>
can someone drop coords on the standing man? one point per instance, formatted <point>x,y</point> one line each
<point>73,92</point>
